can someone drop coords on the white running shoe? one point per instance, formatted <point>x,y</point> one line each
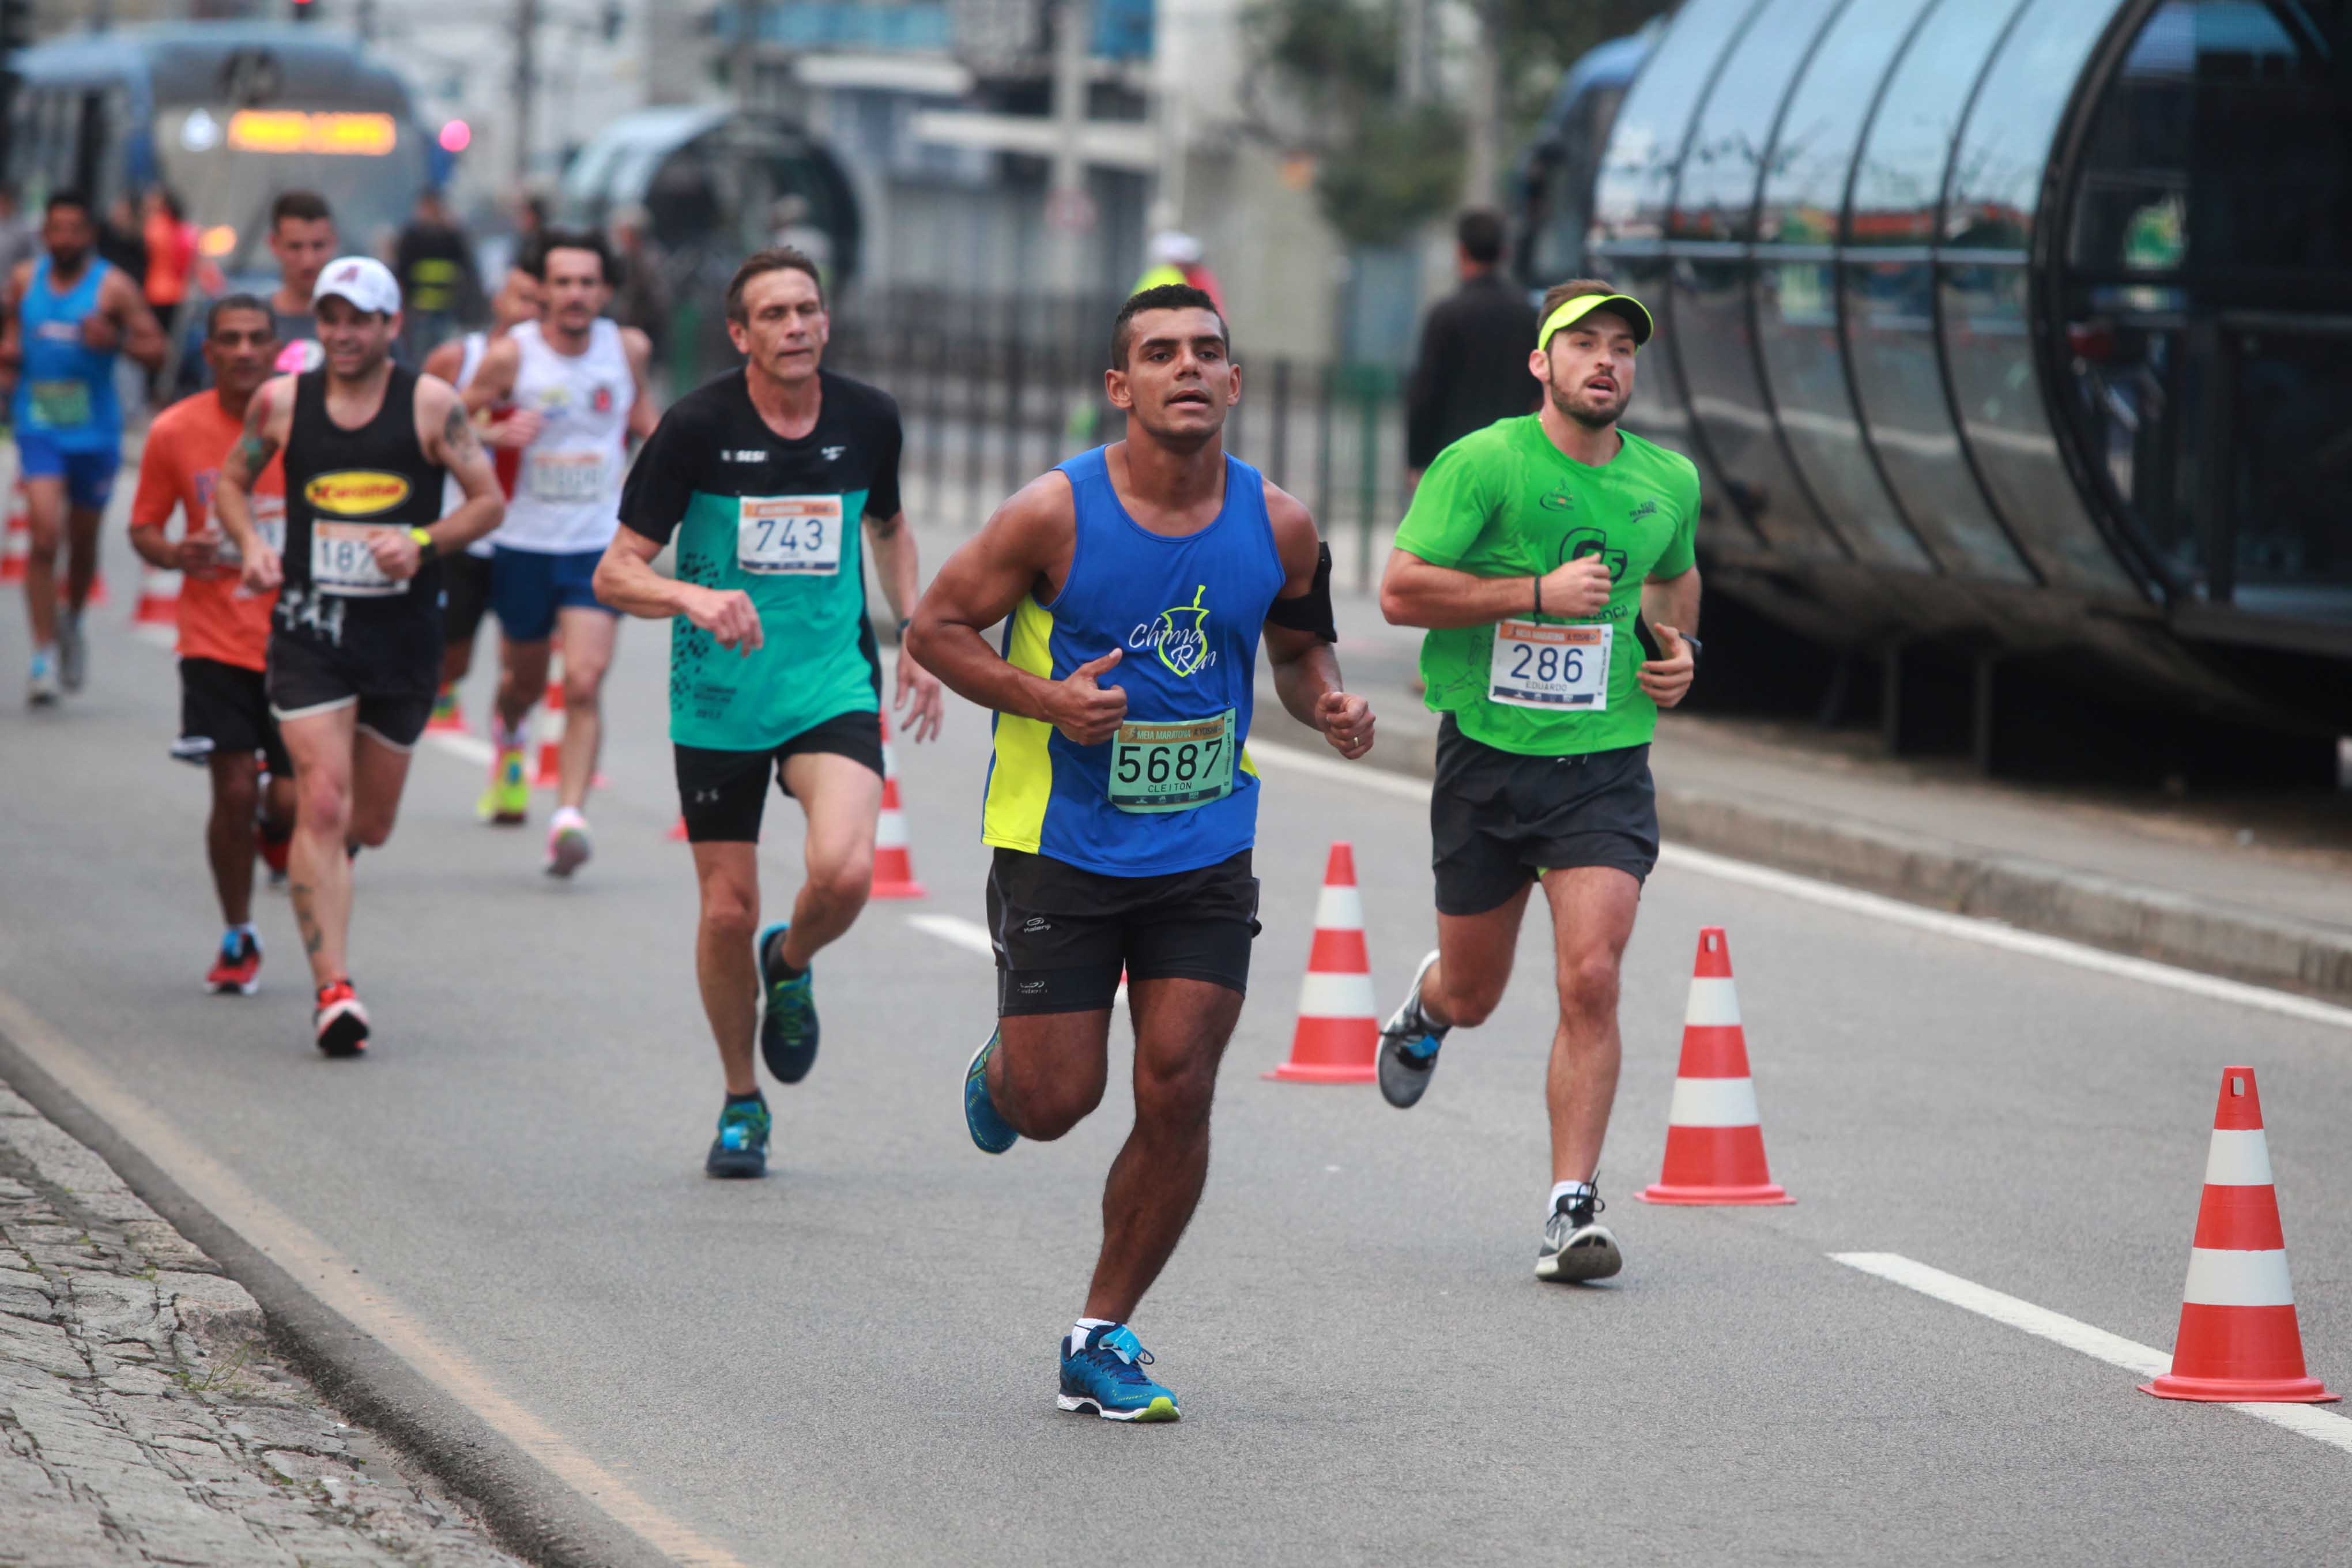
<point>41,686</point>
<point>568,843</point>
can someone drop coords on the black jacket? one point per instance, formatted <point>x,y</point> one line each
<point>1473,368</point>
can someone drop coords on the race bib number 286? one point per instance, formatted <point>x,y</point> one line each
<point>1540,666</point>
<point>789,536</point>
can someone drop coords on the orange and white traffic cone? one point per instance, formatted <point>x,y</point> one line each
<point>2238,1342</point>
<point>677,830</point>
<point>1338,1039</point>
<point>550,733</point>
<point>19,548</point>
<point>894,864</point>
<point>159,598</point>
<point>1715,1140</point>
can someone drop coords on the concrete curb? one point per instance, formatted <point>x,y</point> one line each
<point>2032,895</point>
<point>527,1510</point>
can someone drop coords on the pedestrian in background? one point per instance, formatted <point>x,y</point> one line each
<point>1175,257</point>
<point>435,263</point>
<point>1473,365</point>
<point>642,299</point>
<point>20,237</point>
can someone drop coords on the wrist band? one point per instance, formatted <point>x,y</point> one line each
<point>1538,583</point>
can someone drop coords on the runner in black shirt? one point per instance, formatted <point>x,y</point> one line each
<point>355,655</point>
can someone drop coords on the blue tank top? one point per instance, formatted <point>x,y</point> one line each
<point>1175,792</point>
<point>64,390</point>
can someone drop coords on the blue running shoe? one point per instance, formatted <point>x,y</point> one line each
<point>1106,1376</point>
<point>1409,1043</point>
<point>740,1149</point>
<point>788,1027</point>
<point>990,1130</point>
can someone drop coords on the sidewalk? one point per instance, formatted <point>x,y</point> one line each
<point>143,1418</point>
<point>2259,890</point>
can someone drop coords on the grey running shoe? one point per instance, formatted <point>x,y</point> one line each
<point>1576,1247</point>
<point>73,652</point>
<point>1409,1045</point>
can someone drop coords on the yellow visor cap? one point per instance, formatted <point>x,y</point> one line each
<point>1570,311</point>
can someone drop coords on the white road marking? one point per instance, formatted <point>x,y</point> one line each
<point>335,1281</point>
<point>1875,906</point>
<point>2141,1360</point>
<point>472,748</point>
<point>957,931</point>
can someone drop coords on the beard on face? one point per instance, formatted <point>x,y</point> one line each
<point>1593,415</point>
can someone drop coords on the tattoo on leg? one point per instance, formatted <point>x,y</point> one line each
<point>314,936</point>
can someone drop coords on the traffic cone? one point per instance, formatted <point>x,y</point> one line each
<point>448,712</point>
<point>1715,1143</point>
<point>677,830</point>
<point>1338,1039</point>
<point>19,548</point>
<point>2238,1342</point>
<point>894,866</point>
<point>551,732</point>
<point>159,598</point>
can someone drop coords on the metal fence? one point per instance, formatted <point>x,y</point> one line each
<point>992,394</point>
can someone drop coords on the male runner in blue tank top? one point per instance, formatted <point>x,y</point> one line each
<point>1135,580</point>
<point>68,314</point>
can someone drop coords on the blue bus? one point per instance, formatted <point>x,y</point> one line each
<point>227,116</point>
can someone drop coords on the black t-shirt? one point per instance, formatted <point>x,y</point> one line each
<point>778,520</point>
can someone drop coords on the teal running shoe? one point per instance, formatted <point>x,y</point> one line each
<point>989,1129</point>
<point>1106,1376</point>
<point>741,1150</point>
<point>788,1027</point>
<point>1409,1045</point>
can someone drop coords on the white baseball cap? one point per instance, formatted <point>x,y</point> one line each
<point>363,281</point>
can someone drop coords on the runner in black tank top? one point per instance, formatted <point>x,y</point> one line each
<point>355,654</point>
<point>343,486</point>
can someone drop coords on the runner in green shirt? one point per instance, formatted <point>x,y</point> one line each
<point>1537,552</point>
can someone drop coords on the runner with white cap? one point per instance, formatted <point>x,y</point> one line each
<point>355,652</point>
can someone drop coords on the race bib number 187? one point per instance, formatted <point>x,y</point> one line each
<point>789,536</point>
<point>342,563</point>
<point>1539,666</point>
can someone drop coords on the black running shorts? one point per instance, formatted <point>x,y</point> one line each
<point>1063,933</point>
<point>224,711</point>
<point>1497,819</point>
<point>722,795</point>
<point>307,677</point>
<point>466,590</point>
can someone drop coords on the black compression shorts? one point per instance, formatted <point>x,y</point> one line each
<point>1063,933</point>
<point>307,677</point>
<point>722,795</point>
<point>1497,819</point>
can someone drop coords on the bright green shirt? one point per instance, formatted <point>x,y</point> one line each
<point>1505,502</point>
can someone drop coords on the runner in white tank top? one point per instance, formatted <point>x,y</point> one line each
<point>577,383</point>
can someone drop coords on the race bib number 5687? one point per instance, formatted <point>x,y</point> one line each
<point>789,536</point>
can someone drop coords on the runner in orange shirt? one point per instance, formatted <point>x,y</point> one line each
<point>224,627</point>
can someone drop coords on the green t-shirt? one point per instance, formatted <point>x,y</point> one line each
<point>1505,502</point>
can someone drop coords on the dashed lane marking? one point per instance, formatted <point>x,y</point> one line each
<point>1875,906</point>
<point>957,931</point>
<point>2141,1360</point>
<point>336,1281</point>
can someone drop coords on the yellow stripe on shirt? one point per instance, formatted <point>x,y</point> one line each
<point>1021,780</point>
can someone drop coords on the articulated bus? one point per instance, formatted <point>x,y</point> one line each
<point>226,116</point>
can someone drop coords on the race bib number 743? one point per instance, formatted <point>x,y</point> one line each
<point>789,536</point>
<point>1539,666</point>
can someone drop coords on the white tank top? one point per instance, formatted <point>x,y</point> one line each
<point>567,497</point>
<point>452,495</point>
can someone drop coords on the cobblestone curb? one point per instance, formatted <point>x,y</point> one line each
<point>143,1418</point>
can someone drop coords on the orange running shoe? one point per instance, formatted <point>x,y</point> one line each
<point>341,1022</point>
<point>237,967</point>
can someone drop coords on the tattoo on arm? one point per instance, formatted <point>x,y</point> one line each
<point>458,441</point>
<point>256,447</point>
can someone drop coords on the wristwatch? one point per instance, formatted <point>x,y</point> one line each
<point>1693,644</point>
<point>426,547</point>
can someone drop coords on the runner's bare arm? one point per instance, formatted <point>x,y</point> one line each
<point>1306,670</point>
<point>152,509</point>
<point>892,545</point>
<point>445,360</point>
<point>133,324</point>
<point>1024,548</point>
<point>625,579</point>
<point>267,420</point>
<point>1671,607</point>
<point>447,433</point>
<point>494,377</point>
<point>1417,592</point>
<point>642,415</point>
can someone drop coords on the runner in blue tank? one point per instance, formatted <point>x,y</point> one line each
<point>69,313</point>
<point>1135,580</point>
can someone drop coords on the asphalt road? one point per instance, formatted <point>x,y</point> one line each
<point>854,1360</point>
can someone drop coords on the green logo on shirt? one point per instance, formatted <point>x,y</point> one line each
<point>1587,541</point>
<point>1558,501</point>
